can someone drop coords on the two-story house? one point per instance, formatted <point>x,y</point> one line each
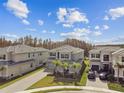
<point>20,59</point>
<point>118,63</point>
<point>101,57</point>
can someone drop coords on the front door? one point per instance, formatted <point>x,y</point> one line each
<point>106,67</point>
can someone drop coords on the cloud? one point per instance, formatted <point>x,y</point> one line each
<point>97,27</point>
<point>24,21</point>
<point>115,13</point>
<point>69,16</point>
<point>31,29</point>
<point>97,33</point>
<point>49,14</point>
<point>40,22</point>
<point>49,32</point>
<point>105,27</point>
<point>18,8</point>
<point>78,33</point>
<point>106,18</point>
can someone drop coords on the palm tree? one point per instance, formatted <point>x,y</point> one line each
<point>56,63</point>
<point>2,69</point>
<point>65,66</point>
<point>76,66</point>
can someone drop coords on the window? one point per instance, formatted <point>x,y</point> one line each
<point>28,55</point>
<point>52,54</point>
<point>33,54</point>
<point>31,65</point>
<point>122,59</point>
<point>40,54</point>
<point>64,55</point>
<point>92,55</point>
<point>106,58</point>
<point>97,55</point>
<point>3,57</point>
<point>123,72</point>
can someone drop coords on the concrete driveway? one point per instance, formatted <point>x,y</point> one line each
<point>97,83</point>
<point>24,83</point>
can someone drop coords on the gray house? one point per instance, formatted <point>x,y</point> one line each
<point>20,59</point>
<point>67,52</point>
<point>101,57</point>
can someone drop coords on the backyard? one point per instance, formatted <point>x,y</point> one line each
<point>51,80</point>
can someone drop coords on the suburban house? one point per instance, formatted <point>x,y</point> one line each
<point>118,63</point>
<point>20,59</point>
<point>101,57</point>
<point>66,52</point>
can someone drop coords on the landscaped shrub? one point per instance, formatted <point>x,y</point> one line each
<point>110,77</point>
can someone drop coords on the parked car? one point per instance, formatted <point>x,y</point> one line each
<point>91,75</point>
<point>103,75</point>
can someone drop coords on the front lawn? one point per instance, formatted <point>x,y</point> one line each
<point>115,86</point>
<point>49,81</point>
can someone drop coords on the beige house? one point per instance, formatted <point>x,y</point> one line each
<point>101,57</point>
<point>19,59</point>
<point>118,58</point>
<point>67,52</point>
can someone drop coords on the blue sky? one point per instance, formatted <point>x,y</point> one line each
<point>90,20</point>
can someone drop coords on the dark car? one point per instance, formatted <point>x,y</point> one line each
<point>103,75</point>
<point>91,75</point>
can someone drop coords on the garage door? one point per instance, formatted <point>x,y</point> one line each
<point>95,67</point>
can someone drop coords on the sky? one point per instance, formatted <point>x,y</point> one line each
<point>96,21</point>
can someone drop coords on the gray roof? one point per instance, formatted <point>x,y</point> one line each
<point>120,51</point>
<point>109,49</point>
<point>67,48</point>
<point>21,49</point>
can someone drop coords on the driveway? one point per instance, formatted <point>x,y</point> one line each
<point>97,83</point>
<point>24,83</point>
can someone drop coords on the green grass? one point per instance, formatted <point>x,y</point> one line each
<point>48,81</point>
<point>19,78</point>
<point>83,80</point>
<point>62,89</point>
<point>115,86</point>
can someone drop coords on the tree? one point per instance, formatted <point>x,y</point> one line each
<point>56,63</point>
<point>65,66</point>
<point>76,66</point>
<point>2,69</point>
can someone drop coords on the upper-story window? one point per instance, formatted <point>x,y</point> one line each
<point>122,59</point>
<point>33,54</point>
<point>97,55</point>
<point>92,55</point>
<point>106,58</point>
<point>52,54</point>
<point>64,56</point>
<point>3,57</point>
<point>40,54</point>
<point>28,55</point>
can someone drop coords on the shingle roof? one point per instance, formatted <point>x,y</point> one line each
<point>118,51</point>
<point>21,49</point>
<point>109,49</point>
<point>67,48</point>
